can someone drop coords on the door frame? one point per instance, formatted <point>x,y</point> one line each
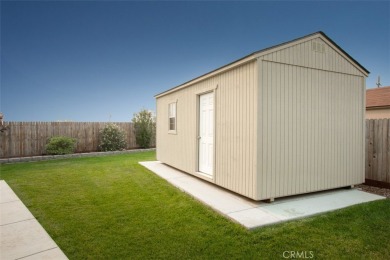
<point>212,176</point>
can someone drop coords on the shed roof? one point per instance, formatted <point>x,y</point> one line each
<point>255,55</point>
<point>378,97</point>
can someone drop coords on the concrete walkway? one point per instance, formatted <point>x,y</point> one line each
<point>21,235</point>
<point>252,214</point>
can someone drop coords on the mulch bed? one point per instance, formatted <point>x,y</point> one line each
<point>379,191</point>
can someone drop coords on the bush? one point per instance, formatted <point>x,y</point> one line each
<point>61,145</point>
<point>112,138</point>
<point>144,128</point>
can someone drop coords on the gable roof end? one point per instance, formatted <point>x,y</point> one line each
<point>254,55</point>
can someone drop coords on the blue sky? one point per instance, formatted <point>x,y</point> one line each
<point>100,60</point>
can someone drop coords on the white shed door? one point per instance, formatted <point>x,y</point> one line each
<point>206,133</point>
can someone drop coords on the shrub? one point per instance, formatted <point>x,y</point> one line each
<point>112,138</point>
<point>144,128</point>
<point>61,145</point>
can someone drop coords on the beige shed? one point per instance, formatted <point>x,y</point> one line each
<point>281,121</point>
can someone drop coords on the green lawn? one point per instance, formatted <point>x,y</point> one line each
<point>111,207</point>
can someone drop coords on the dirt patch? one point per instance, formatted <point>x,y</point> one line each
<point>379,191</point>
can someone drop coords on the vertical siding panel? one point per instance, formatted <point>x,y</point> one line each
<point>334,136</point>
<point>313,131</point>
<point>331,155</point>
<point>309,129</point>
<point>239,164</point>
<point>325,133</point>
<point>269,130</point>
<point>251,153</point>
<point>223,99</point>
<point>352,128</point>
<point>281,149</point>
<point>239,89</point>
<point>344,121</point>
<point>334,173</point>
<point>276,128</point>
<point>293,132</point>
<point>247,153</point>
<point>288,126</point>
<point>318,139</point>
<point>299,119</point>
<point>254,131</point>
<point>233,163</point>
<point>343,124</point>
<point>302,143</point>
<point>308,183</point>
<point>305,184</point>
<point>280,127</point>
<point>244,146</point>
<point>348,148</point>
<point>259,131</point>
<point>285,131</point>
<point>264,132</point>
<point>235,132</point>
<point>348,129</point>
<point>230,120</point>
<point>338,124</point>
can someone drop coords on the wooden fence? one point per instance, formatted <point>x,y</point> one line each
<point>29,138</point>
<point>378,152</point>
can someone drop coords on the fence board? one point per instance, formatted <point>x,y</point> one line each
<point>30,138</point>
<point>378,150</point>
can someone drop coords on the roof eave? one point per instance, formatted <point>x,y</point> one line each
<point>219,70</point>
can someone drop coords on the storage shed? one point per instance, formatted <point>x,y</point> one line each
<point>281,121</point>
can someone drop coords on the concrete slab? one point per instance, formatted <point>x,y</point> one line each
<point>24,238</point>
<point>254,217</point>
<point>311,204</point>
<point>252,214</point>
<point>21,234</point>
<point>51,254</point>
<point>222,201</point>
<point>14,211</point>
<point>6,194</point>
